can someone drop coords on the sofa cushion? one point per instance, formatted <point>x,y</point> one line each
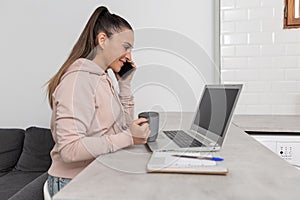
<point>11,144</point>
<point>35,156</point>
<point>13,181</point>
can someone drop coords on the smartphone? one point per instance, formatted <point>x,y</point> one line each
<point>126,69</point>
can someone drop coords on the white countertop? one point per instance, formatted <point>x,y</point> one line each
<point>268,123</point>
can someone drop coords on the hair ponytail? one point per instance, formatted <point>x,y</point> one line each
<point>100,21</point>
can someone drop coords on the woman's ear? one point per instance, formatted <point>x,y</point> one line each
<point>101,37</point>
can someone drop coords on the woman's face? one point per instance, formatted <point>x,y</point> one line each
<point>117,49</point>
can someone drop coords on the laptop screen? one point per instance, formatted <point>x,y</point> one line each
<point>215,109</point>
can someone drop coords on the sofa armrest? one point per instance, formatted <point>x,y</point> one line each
<point>33,190</point>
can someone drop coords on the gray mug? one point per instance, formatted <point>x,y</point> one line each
<point>153,120</point>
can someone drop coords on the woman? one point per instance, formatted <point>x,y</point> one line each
<point>88,117</point>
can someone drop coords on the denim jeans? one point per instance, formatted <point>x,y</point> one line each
<point>55,184</point>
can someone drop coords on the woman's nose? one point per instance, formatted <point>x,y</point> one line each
<point>128,56</point>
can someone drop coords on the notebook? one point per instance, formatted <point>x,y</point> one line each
<point>165,162</point>
<point>210,124</point>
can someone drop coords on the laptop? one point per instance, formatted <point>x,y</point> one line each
<point>210,123</point>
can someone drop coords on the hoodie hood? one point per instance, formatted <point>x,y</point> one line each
<point>83,64</point>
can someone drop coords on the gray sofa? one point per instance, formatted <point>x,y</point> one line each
<point>24,161</point>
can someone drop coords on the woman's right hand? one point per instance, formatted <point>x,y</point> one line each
<point>140,133</point>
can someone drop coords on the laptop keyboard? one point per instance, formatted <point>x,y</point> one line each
<point>182,139</point>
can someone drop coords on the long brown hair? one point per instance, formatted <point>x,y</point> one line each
<point>100,21</point>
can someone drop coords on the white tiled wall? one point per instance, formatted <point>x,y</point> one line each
<point>258,52</point>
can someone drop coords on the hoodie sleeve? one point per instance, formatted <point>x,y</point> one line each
<point>75,109</point>
<point>127,100</point>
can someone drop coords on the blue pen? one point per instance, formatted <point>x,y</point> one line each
<point>201,157</point>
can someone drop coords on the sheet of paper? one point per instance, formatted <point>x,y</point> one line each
<point>166,159</point>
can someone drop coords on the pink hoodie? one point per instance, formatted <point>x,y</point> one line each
<point>88,118</point>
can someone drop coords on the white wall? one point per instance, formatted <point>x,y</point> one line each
<point>257,51</point>
<point>37,36</point>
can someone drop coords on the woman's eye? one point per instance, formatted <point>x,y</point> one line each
<point>127,47</point>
